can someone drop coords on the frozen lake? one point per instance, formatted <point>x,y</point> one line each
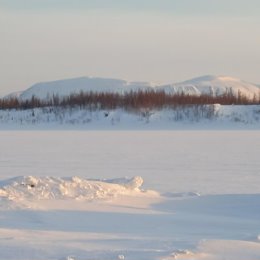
<point>208,162</point>
<point>79,219</point>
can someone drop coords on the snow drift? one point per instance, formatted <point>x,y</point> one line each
<point>47,188</point>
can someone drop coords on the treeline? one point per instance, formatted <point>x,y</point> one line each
<point>130,101</point>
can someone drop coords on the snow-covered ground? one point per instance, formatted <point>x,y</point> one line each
<point>187,117</point>
<point>74,195</point>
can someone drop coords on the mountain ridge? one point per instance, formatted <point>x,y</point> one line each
<point>208,84</point>
<point>213,85</point>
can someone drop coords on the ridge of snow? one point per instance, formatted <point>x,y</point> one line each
<point>21,190</point>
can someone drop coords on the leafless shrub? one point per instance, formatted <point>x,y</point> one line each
<point>132,101</point>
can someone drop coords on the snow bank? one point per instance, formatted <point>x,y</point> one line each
<point>204,117</point>
<point>26,188</point>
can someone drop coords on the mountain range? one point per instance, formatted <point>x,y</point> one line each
<point>212,85</point>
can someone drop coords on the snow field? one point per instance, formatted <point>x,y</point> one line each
<point>210,117</point>
<point>183,228</point>
<point>203,204</point>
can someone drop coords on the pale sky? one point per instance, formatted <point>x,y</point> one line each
<point>162,41</point>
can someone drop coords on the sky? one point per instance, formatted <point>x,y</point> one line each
<point>162,41</point>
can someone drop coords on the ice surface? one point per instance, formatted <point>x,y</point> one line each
<point>204,162</point>
<point>177,229</point>
<point>205,204</point>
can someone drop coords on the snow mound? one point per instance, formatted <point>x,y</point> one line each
<point>74,188</point>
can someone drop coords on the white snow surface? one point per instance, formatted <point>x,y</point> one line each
<point>189,117</point>
<point>28,191</point>
<point>204,202</point>
<point>215,85</point>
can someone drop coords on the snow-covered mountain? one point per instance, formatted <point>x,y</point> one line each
<point>15,94</point>
<point>213,85</point>
<point>85,84</point>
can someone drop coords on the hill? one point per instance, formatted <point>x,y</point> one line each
<point>212,85</point>
<point>85,84</point>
